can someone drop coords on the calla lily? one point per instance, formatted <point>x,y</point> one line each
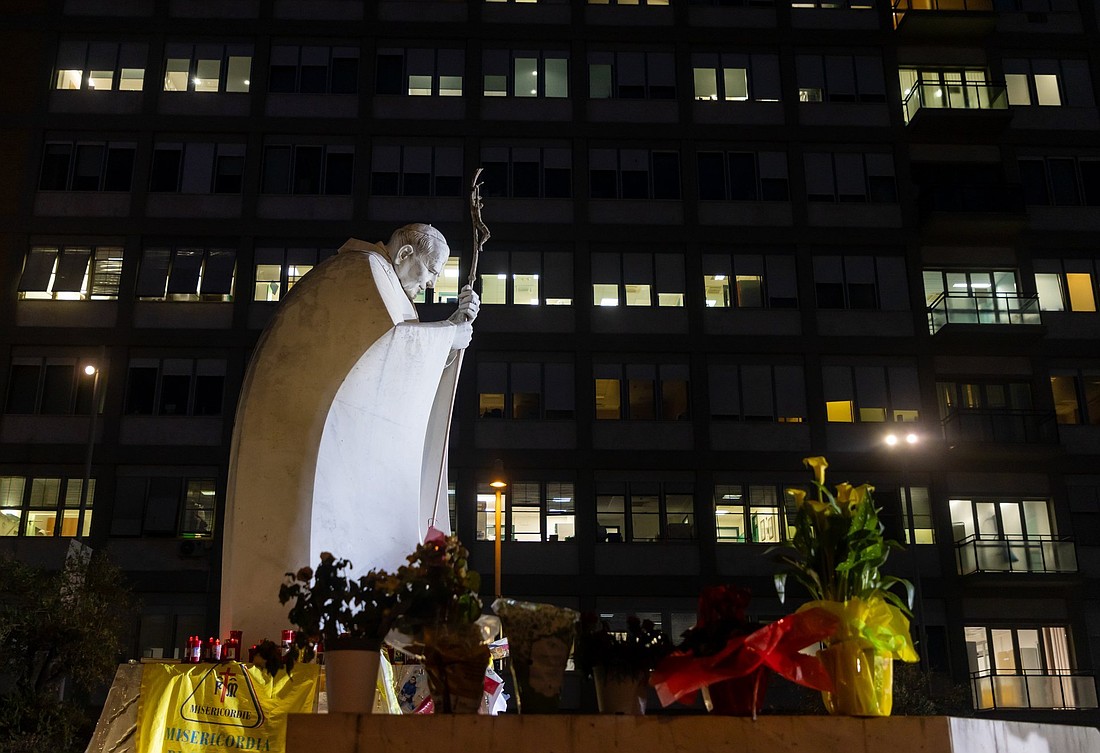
<point>799,496</point>
<point>819,464</point>
<point>860,494</point>
<point>843,493</point>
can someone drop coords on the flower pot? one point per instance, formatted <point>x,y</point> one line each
<point>351,677</point>
<point>539,639</point>
<point>619,693</point>
<point>862,677</point>
<point>740,696</point>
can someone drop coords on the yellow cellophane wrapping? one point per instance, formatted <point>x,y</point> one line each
<point>859,658</point>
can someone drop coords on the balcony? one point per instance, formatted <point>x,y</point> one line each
<point>1000,426</point>
<point>954,106</point>
<point>1030,689</point>
<point>990,553</point>
<point>991,309</point>
<point>952,19</point>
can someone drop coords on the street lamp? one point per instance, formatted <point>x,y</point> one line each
<point>498,483</point>
<point>92,370</point>
<point>911,439</point>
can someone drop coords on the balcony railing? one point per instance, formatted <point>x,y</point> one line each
<point>1000,425</point>
<point>955,95</point>
<point>994,308</point>
<point>985,553</point>
<point>1034,690</point>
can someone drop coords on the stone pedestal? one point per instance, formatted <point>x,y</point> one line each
<point>565,733</point>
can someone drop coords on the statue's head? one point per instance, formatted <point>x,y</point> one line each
<point>418,252</point>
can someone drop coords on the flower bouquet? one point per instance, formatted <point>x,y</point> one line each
<point>620,662</point>
<point>540,637</point>
<point>837,554</point>
<point>728,657</point>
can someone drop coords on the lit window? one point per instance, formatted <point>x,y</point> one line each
<point>1046,90</point>
<point>1018,93</point>
<point>45,507</point>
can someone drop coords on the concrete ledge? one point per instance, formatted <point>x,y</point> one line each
<point>566,733</point>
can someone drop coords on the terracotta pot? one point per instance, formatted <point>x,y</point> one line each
<point>351,677</point>
<point>863,680</point>
<point>618,693</point>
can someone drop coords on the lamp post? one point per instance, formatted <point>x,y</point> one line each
<point>498,483</point>
<point>908,443</point>
<point>92,370</point>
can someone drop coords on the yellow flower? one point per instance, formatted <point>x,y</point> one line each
<point>799,496</point>
<point>860,495</point>
<point>843,493</point>
<point>819,464</point>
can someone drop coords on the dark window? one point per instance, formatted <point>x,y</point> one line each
<point>208,395</point>
<point>89,165</point>
<point>774,189</point>
<point>338,173</point>
<point>141,390</point>
<point>162,506</point>
<point>417,184</point>
<point>712,183</point>
<point>1090,181</point>
<point>1063,179</point>
<point>276,169</point>
<point>1034,180</point>
<point>57,389</point>
<point>390,74</point>
<point>525,179</point>
<point>830,295</point>
<point>881,188</point>
<point>448,185</point>
<point>559,183</point>
<point>602,184</point>
<point>313,79</point>
<point>862,296</point>
<point>174,389</point>
<point>635,184</point>
<point>666,175</point>
<point>742,172</point>
<point>23,388</point>
<point>495,177</point>
<point>281,79</point>
<point>120,169</point>
<point>345,75</point>
<point>228,176</point>
<point>307,169</point>
<point>165,171</point>
<point>55,167</point>
<point>383,184</point>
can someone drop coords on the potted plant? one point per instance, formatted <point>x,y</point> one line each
<point>350,618</point>
<point>837,554</point>
<point>441,620</point>
<point>619,662</point>
<point>729,657</point>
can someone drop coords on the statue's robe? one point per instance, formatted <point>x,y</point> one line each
<point>340,436</point>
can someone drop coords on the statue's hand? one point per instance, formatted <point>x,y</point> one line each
<point>464,332</point>
<point>468,305</point>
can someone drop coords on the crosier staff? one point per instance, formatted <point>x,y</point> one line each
<point>480,235</point>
